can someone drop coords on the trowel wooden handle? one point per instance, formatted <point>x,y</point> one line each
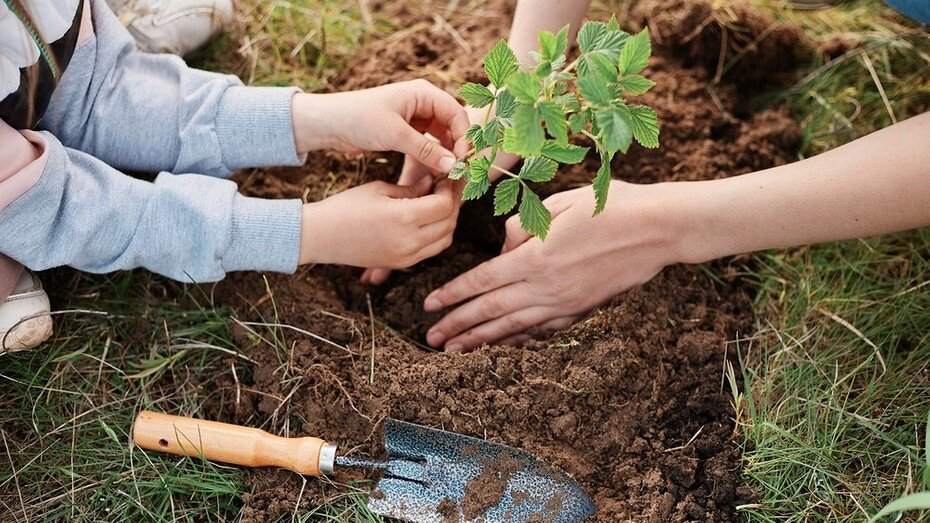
<point>233,444</point>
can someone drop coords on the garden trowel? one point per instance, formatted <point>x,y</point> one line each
<point>429,475</point>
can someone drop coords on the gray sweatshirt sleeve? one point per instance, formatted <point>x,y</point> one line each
<point>86,214</point>
<point>151,112</point>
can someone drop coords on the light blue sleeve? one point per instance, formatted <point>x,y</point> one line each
<point>189,227</point>
<point>917,9</point>
<point>151,112</point>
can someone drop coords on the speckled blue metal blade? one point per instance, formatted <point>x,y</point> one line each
<point>429,471</point>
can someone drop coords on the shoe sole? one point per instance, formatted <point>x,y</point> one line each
<point>29,334</point>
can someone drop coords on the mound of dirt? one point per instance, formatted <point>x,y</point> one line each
<point>628,401</point>
<point>733,40</point>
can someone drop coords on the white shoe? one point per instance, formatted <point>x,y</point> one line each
<point>173,26</point>
<point>24,316</point>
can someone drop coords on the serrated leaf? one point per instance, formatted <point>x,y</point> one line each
<point>595,90</point>
<point>601,184</point>
<point>478,182</point>
<point>616,127</point>
<point>475,189</point>
<point>612,24</point>
<point>459,170</point>
<point>500,63</point>
<point>611,43</point>
<point>505,105</point>
<point>476,95</point>
<point>569,154</point>
<point>505,196</point>
<point>552,47</point>
<point>526,135</point>
<point>554,117</point>
<point>538,169</point>
<point>635,85</point>
<point>578,121</point>
<point>535,218</point>
<point>491,133</point>
<point>475,135</point>
<point>568,101</point>
<point>645,126</point>
<point>525,87</point>
<point>635,53</point>
<point>600,65</point>
<point>590,34</point>
<point>479,167</point>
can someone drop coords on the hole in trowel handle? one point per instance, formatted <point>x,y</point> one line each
<point>163,443</point>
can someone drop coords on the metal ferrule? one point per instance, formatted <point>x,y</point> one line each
<point>327,458</point>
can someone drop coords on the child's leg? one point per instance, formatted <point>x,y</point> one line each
<point>176,26</point>
<point>24,310</point>
<point>917,9</point>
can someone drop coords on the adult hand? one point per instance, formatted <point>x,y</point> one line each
<point>388,118</point>
<point>541,286</point>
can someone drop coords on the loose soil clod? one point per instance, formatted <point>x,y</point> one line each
<point>614,400</point>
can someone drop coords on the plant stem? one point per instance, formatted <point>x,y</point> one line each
<point>504,171</point>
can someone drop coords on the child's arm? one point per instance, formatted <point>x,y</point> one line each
<point>149,112</point>
<point>59,207</point>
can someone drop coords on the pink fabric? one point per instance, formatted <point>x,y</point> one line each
<point>87,26</point>
<point>23,155</point>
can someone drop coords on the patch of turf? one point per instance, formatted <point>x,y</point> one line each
<point>836,399</point>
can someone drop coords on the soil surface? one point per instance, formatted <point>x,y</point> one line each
<point>629,401</point>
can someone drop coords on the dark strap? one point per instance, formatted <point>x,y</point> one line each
<point>14,109</point>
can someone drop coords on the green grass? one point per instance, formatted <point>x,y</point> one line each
<point>837,378</point>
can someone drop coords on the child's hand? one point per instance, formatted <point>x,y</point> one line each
<point>378,225</point>
<point>388,118</point>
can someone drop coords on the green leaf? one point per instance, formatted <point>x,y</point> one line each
<point>601,184</point>
<point>475,135</point>
<point>459,170</point>
<point>598,64</point>
<point>505,196</point>
<point>919,500</point>
<point>612,43</point>
<point>635,54</point>
<point>499,64</point>
<point>569,154</point>
<point>478,182</point>
<point>491,134</point>
<point>554,116</point>
<point>645,126</point>
<point>616,127</point>
<point>612,24</point>
<point>525,87</point>
<point>526,135</point>
<point>480,167</point>
<point>538,169</point>
<point>476,95</point>
<point>595,90</point>
<point>590,34</point>
<point>578,121</point>
<point>552,47</point>
<point>535,218</point>
<point>635,85</point>
<point>568,101</point>
<point>505,105</point>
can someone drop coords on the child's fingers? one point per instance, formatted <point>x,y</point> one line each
<point>434,207</point>
<point>428,152</point>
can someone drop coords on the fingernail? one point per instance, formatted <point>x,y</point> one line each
<point>446,163</point>
<point>432,304</point>
<point>435,338</point>
<point>455,347</point>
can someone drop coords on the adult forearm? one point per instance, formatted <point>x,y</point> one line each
<point>533,16</point>
<point>875,185</point>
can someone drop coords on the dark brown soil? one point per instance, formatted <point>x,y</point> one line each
<point>629,401</point>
